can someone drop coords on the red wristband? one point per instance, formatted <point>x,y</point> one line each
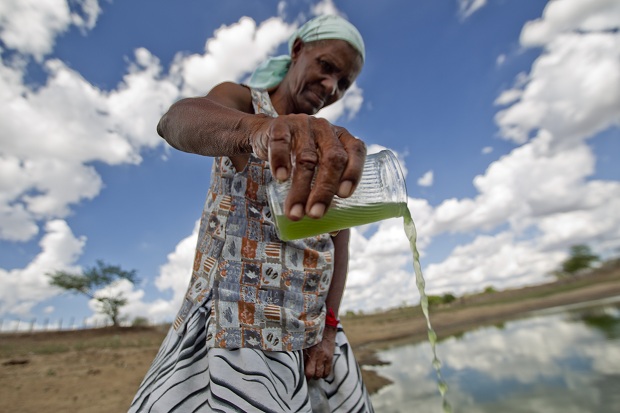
<point>330,319</point>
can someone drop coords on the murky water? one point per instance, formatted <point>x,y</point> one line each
<point>562,360</point>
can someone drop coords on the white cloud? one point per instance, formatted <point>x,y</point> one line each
<point>349,105</point>
<point>563,16</point>
<point>542,187</point>
<point>31,26</point>
<point>175,274</point>
<point>572,91</point>
<point>381,262</point>
<point>426,179</point>
<point>23,288</point>
<point>508,96</point>
<point>501,59</point>
<point>500,260</point>
<point>469,7</point>
<point>325,7</point>
<point>374,148</point>
<point>233,52</point>
<point>64,126</point>
<point>539,188</point>
<point>487,150</point>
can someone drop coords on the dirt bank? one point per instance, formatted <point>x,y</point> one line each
<point>98,371</point>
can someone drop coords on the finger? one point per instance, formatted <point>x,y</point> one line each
<point>309,367</point>
<point>332,163</point>
<point>305,159</point>
<point>327,369</point>
<point>319,371</point>
<point>279,149</point>
<point>356,155</point>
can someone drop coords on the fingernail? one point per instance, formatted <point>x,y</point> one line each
<point>281,174</point>
<point>317,210</point>
<point>345,189</point>
<point>297,211</point>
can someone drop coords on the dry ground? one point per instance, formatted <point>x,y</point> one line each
<point>98,371</point>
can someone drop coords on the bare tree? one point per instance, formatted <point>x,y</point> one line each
<point>93,279</point>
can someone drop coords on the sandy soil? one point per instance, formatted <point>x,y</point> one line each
<point>98,371</point>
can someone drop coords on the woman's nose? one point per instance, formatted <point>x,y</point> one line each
<point>331,85</point>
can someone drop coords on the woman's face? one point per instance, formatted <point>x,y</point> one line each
<point>320,73</point>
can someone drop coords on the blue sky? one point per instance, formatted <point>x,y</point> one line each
<point>504,113</point>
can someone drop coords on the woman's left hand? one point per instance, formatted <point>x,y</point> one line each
<point>318,358</point>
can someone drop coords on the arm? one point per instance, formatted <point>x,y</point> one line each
<point>320,357</point>
<point>219,124</point>
<point>223,123</point>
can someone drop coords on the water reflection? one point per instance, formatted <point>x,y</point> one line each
<point>565,360</point>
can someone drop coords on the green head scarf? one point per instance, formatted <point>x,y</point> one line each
<point>328,27</point>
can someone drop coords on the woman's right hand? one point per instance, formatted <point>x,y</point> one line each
<point>298,146</point>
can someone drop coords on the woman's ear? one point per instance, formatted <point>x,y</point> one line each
<point>298,46</point>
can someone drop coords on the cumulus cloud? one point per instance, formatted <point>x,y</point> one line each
<point>571,90</point>
<point>232,53</point>
<point>347,107</point>
<point>537,200</point>
<point>325,7</point>
<point>469,7</point>
<point>66,124</point>
<point>561,17</point>
<point>31,26</point>
<point>23,288</point>
<point>63,127</point>
<point>500,260</point>
<point>543,187</point>
<point>426,179</point>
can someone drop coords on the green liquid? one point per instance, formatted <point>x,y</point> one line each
<point>340,218</point>
<point>432,336</point>
<point>336,219</point>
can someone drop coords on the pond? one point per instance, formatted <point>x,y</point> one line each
<point>559,360</point>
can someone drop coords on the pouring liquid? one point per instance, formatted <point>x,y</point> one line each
<point>411,233</point>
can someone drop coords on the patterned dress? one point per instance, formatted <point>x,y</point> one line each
<point>253,304</point>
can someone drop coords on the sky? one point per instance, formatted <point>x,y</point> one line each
<point>505,115</point>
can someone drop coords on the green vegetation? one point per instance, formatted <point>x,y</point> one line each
<point>140,322</point>
<point>434,300</point>
<point>581,258</point>
<point>93,279</point>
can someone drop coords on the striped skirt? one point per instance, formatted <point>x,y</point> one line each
<point>186,376</point>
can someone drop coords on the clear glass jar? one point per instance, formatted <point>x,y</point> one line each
<point>381,194</point>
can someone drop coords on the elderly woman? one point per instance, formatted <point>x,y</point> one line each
<point>258,324</point>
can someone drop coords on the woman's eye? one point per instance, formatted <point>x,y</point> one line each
<point>326,66</point>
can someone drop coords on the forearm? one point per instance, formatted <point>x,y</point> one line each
<point>205,127</point>
<point>341,266</point>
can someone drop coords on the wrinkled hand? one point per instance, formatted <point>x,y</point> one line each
<point>298,145</point>
<point>319,358</point>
